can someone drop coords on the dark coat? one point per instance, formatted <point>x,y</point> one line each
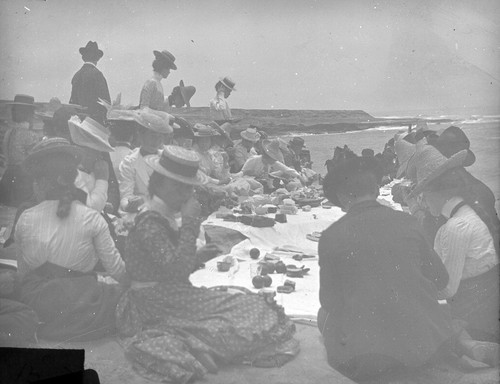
<point>379,279</point>
<point>88,85</point>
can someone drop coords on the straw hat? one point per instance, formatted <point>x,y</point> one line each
<point>166,57</point>
<point>26,100</point>
<point>228,83</point>
<point>404,151</point>
<point>155,121</point>
<point>187,92</point>
<point>179,164</point>
<point>89,133</point>
<point>250,134</point>
<point>201,130</point>
<point>92,50</point>
<point>54,105</point>
<point>50,146</point>
<point>121,115</point>
<point>272,149</point>
<point>430,164</point>
<point>453,140</point>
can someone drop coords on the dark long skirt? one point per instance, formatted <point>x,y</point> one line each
<point>70,305</point>
<point>477,302</point>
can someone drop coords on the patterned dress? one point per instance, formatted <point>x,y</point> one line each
<point>172,323</point>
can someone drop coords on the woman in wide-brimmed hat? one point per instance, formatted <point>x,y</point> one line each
<point>467,243</point>
<point>153,129</point>
<point>95,176</point>
<point>244,149</point>
<point>15,186</point>
<point>271,160</point>
<point>198,327</point>
<point>152,95</point>
<point>452,140</point>
<point>60,242</point>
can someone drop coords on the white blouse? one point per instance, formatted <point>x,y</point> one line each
<point>76,242</point>
<point>465,246</point>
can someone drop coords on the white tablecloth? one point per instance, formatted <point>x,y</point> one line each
<point>304,302</point>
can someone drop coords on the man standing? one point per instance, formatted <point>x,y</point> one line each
<point>89,84</point>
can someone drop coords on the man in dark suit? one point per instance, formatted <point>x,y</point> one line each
<point>89,84</point>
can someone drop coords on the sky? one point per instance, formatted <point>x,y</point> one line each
<point>283,54</point>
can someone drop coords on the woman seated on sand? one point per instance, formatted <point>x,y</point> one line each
<point>467,243</point>
<point>134,175</point>
<point>379,308</point>
<point>183,329</point>
<point>95,172</point>
<point>268,164</point>
<point>60,241</point>
<point>213,161</point>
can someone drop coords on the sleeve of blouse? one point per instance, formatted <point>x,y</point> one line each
<point>127,181</point>
<point>105,248</point>
<point>454,244</point>
<point>328,283</point>
<point>279,166</point>
<point>146,92</point>
<point>218,103</point>
<point>98,197</point>
<point>177,262</point>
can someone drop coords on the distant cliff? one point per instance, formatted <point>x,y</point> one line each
<point>284,121</point>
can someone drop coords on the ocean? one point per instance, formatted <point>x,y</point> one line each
<point>483,133</point>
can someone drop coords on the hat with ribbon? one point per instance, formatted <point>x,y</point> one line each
<point>90,134</point>
<point>429,164</point>
<point>26,100</point>
<point>166,57</point>
<point>228,83</point>
<point>250,134</point>
<point>187,92</point>
<point>179,164</point>
<point>201,130</point>
<point>404,151</point>
<point>91,50</point>
<point>50,146</point>
<point>272,149</point>
<point>453,140</point>
<point>156,121</point>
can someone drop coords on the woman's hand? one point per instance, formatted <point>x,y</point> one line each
<point>191,208</point>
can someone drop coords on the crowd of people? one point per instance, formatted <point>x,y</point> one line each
<point>382,272</point>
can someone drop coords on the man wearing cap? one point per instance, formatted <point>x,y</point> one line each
<point>244,149</point>
<point>219,108</point>
<point>181,95</point>
<point>89,84</point>
<point>134,171</point>
<point>152,95</point>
